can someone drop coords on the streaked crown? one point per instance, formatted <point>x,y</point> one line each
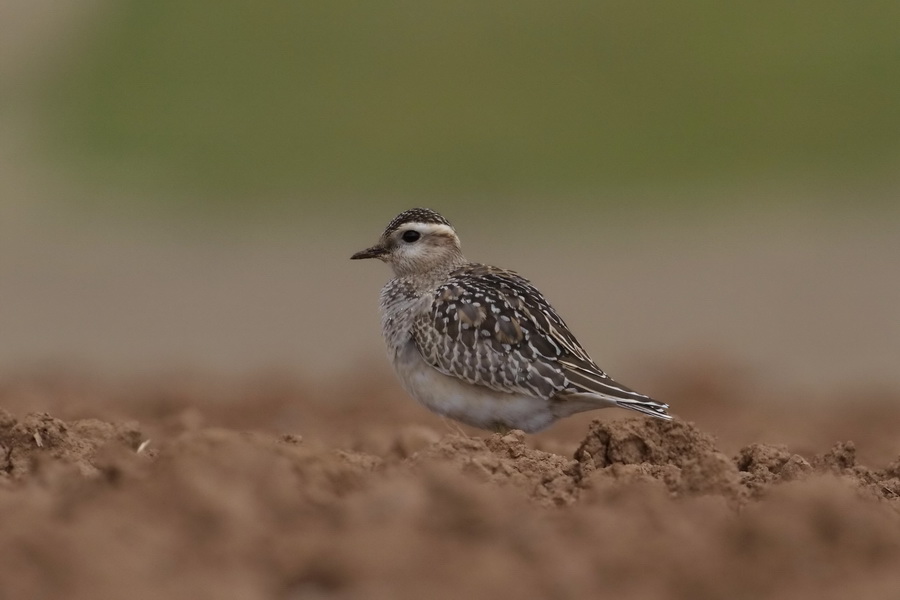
<point>415,215</point>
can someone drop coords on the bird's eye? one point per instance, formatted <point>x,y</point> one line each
<point>411,236</point>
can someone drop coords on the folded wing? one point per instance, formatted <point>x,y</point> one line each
<point>491,327</point>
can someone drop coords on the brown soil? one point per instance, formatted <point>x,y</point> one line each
<point>265,489</point>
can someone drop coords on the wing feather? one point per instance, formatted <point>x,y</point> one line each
<point>492,327</point>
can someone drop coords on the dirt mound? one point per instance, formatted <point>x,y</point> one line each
<point>41,438</point>
<point>644,509</point>
<point>505,460</point>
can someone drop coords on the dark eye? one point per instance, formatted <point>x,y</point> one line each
<point>411,236</point>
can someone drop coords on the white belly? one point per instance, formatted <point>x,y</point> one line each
<point>471,404</point>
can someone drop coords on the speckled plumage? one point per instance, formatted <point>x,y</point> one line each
<point>481,344</point>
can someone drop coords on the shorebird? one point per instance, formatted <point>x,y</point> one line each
<point>480,344</point>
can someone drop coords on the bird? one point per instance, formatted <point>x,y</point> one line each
<point>480,344</point>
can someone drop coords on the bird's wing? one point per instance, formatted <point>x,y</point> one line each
<point>491,327</point>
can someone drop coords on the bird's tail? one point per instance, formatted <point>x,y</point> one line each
<point>586,377</point>
<point>647,407</point>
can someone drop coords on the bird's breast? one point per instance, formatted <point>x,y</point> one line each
<point>400,305</point>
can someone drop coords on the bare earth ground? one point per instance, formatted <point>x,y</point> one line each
<point>267,488</point>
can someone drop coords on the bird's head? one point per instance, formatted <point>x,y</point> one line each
<point>417,241</point>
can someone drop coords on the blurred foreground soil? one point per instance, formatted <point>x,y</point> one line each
<point>193,486</point>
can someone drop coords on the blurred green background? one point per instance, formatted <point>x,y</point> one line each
<point>182,182</point>
<point>281,102</point>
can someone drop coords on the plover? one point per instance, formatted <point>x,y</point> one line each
<point>480,344</point>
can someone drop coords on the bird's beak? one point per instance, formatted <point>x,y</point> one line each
<point>373,252</point>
